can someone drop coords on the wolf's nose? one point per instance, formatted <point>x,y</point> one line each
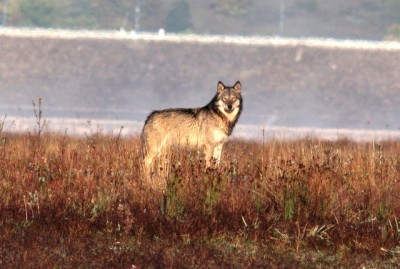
<point>229,107</point>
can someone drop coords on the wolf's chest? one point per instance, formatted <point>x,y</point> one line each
<point>219,136</point>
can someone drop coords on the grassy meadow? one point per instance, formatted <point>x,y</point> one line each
<point>69,202</point>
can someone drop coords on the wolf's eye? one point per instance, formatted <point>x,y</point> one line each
<point>224,99</point>
<point>233,98</point>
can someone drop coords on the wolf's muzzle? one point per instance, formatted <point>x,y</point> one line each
<point>228,108</point>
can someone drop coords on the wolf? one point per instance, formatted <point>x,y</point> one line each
<point>204,128</point>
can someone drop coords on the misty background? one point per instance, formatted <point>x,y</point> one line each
<point>297,84</point>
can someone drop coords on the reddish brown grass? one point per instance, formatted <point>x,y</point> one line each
<point>68,202</point>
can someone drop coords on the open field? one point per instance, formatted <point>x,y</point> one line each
<point>68,202</point>
<point>81,201</point>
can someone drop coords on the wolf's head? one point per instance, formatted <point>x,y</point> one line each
<point>229,100</point>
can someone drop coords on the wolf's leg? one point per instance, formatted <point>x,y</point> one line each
<point>217,153</point>
<point>208,154</point>
<point>153,151</point>
<point>148,163</point>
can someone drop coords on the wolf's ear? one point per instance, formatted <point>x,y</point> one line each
<point>237,87</point>
<point>220,87</point>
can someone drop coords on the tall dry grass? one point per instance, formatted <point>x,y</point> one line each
<point>340,197</point>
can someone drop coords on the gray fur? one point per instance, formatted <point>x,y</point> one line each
<point>205,128</point>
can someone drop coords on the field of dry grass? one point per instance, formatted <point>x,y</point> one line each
<point>83,203</point>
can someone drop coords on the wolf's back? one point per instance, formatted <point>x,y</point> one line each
<point>182,126</point>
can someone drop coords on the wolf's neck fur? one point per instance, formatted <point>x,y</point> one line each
<point>230,123</point>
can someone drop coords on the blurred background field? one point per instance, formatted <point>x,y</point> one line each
<point>289,80</point>
<point>292,84</point>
